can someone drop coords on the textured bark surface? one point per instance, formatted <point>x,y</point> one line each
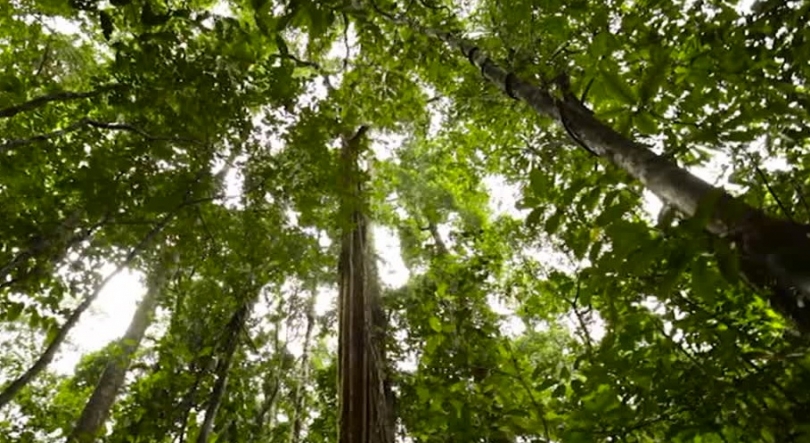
<point>365,409</point>
<point>303,374</point>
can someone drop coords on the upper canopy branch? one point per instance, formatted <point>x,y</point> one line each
<point>96,124</point>
<point>57,96</point>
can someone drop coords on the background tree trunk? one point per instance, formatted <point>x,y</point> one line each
<point>98,407</point>
<point>303,376</point>
<point>233,332</point>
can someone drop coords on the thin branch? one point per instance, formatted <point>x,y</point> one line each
<point>141,132</point>
<point>95,124</point>
<point>539,407</point>
<point>58,96</point>
<point>44,59</point>
<point>41,137</point>
<point>582,324</point>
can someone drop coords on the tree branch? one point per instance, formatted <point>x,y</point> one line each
<point>96,124</point>
<point>58,96</point>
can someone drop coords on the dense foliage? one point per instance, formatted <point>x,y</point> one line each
<point>195,143</point>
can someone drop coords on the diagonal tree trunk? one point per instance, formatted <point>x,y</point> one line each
<point>98,407</point>
<point>47,356</point>
<point>233,332</point>
<point>364,404</point>
<point>50,351</point>
<point>774,253</point>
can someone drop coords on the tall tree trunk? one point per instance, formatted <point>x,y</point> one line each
<point>187,404</point>
<point>98,407</point>
<point>364,404</point>
<point>774,253</point>
<point>50,351</point>
<point>297,419</point>
<point>270,389</point>
<point>233,331</point>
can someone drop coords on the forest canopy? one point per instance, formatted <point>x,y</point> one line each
<point>427,221</point>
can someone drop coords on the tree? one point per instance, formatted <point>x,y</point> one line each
<point>364,403</point>
<point>501,281</point>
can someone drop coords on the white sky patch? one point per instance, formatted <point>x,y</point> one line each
<point>392,269</point>
<point>107,318</point>
<point>503,197</point>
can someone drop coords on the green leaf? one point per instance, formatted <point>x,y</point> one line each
<point>435,324</point>
<point>703,285</point>
<point>577,436</point>
<point>539,182</point>
<point>617,87</point>
<point>645,123</point>
<point>602,44</point>
<point>534,217</point>
<point>654,76</point>
<point>553,222</point>
<point>14,310</point>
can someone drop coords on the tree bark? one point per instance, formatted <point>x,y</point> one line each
<point>364,401</point>
<point>47,356</point>
<point>233,331</point>
<point>774,254</point>
<point>98,407</point>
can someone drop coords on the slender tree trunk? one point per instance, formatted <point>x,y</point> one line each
<point>261,421</point>
<point>233,331</point>
<point>98,407</point>
<point>774,253</point>
<point>188,401</point>
<point>50,351</point>
<point>364,406</point>
<point>303,377</point>
<point>270,390</point>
